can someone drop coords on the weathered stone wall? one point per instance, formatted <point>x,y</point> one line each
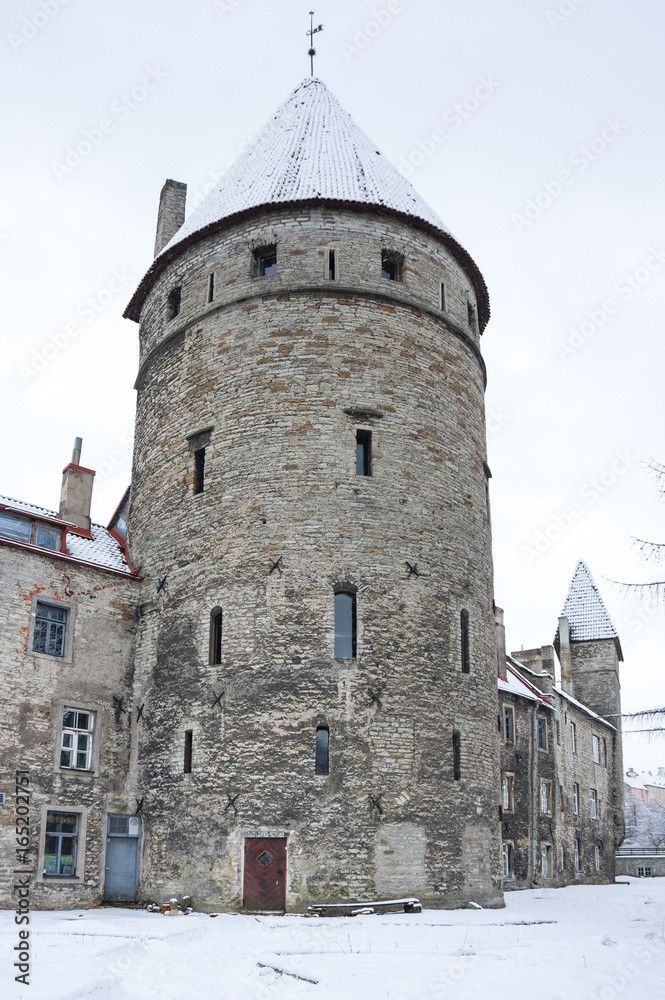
<point>268,370</point>
<point>35,687</point>
<point>629,864</point>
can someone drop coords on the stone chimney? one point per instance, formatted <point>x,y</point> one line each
<point>171,213</point>
<point>564,656</point>
<point>500,631</point>
<point>76,492</point>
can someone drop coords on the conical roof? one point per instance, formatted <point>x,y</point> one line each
<point>310,149</point>
<point>310,152</point>
<point>585,609</point>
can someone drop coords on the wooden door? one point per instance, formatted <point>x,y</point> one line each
<point>265,873</point>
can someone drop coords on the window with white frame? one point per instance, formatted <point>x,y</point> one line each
<point>643,872</point>
<point>598,855</point>
<point>593,803</point>
<point>507,858</point>
<point>61,844</point>
<point>508,792</point>
<point>573,738</point>
<point>546,798</point>
<point>50,629</point>
<point>576,798</point>
<point>596,749</point>
<point>546,860</point>
<point>76,739</point>
<point>578,855</point>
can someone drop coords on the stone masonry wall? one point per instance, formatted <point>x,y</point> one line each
<point>276,375</point>
<point>35,687</point>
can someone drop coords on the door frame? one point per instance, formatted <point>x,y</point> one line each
<point>243,845</point>
<point>107,837</point>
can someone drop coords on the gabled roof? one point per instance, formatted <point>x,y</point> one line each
<point>585,610</point>
<point>310,152</point>
<point>514,683</point>
<point>101,549</point>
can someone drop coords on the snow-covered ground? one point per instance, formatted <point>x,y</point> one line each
<point>597,942</point>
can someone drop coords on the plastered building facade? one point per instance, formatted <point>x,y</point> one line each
<point>300,702</point>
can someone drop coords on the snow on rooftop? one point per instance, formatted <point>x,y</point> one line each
<point>514,684</point>
<point>310,149</point>
<point>579,704</point>
<point>101,550</point>
<point>585,610</point>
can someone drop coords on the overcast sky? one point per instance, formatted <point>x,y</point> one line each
<point>546,163</point>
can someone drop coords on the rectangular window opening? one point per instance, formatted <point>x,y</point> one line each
<point>573,737</point>
<point>509,724</point>
<point>332,266</point>
<point>363,453</point>
<point>596,749</point>
<point>345,626</point>
<point>173,302</point>
<point>546,798</point>
<point>541,727</point>
<point>61,843</point>
<point>199,469</point>
<point>265,261</point>
<point>322,758</point>
<point>211,286</point>
<point>457,755</point>
<point>593,803</point>
<point>216,638</point>
<point>443,297</point>
<point>76,740</point>
<point>464,641</point>
<point>507,859</point>
<point>576,799</point>
<point>546,860</point>
<point>392,265</point>
<point>578,855</point>
<point>508,786</point>
<point>50,630</point>
<point>188,751</point>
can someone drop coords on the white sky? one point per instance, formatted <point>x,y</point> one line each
<point>555,424</point>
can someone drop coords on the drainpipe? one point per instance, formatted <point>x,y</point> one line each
<point>534,800</point>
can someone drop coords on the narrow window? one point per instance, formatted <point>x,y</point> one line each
<point>321,759</point>
<point>508,792</point>
<point>173,302</point>
<point>573,737</point>
<point>604,752</point>
<point>345,626</point>
<point>199,469</point>
<point>596,749</point>
<point>443,296</point>
<point>363,453</point>
<point>593,803</point>
<point>541,727</point>
<point>546,798</point>
<point>509,723</point>
<point>576,799</point>
<point>188,751</point>
<point>332,269</point>
<point>578,855</point>
<point>391,265</point>
<point>216,637</point>
<point>558,733</point>
<point>50,629</point>
<point>471,312</point>
<point>265,261</point>
<point>562,800</point>
<point>507,859</point>
<point>464,641</point>
<point>61,843</point>
<point>598,856</point>
<point>76,740</point>
<point>546,860</point>
<point>211,286</point>
<point>457,755</point>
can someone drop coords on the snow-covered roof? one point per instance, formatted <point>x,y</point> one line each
<point>585,610</point>
<point>102,550</point>
<point>513,683</point>
<point>580,705</point>
<point>310,151</point>
<point>311,148</point>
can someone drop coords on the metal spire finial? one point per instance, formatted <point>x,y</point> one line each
<point>312,31</point>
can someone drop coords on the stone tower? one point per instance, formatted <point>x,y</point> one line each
<point>316,653</point>
<point>590,652</point>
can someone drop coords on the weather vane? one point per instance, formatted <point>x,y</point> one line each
<point>312,31</point>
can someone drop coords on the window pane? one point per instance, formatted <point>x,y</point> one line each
<point>118,825</point>
<point>47,538</point>
<point>65,758</point>
<point>83,720</point>
<point>14,528</point>
<point>268,264</point>
<point>345,639</point>
<point>68,739</point>
<point>69,719</point>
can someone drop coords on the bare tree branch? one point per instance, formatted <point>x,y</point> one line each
<point>651,551</point>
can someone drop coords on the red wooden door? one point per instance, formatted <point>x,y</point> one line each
<point>265,873</point>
